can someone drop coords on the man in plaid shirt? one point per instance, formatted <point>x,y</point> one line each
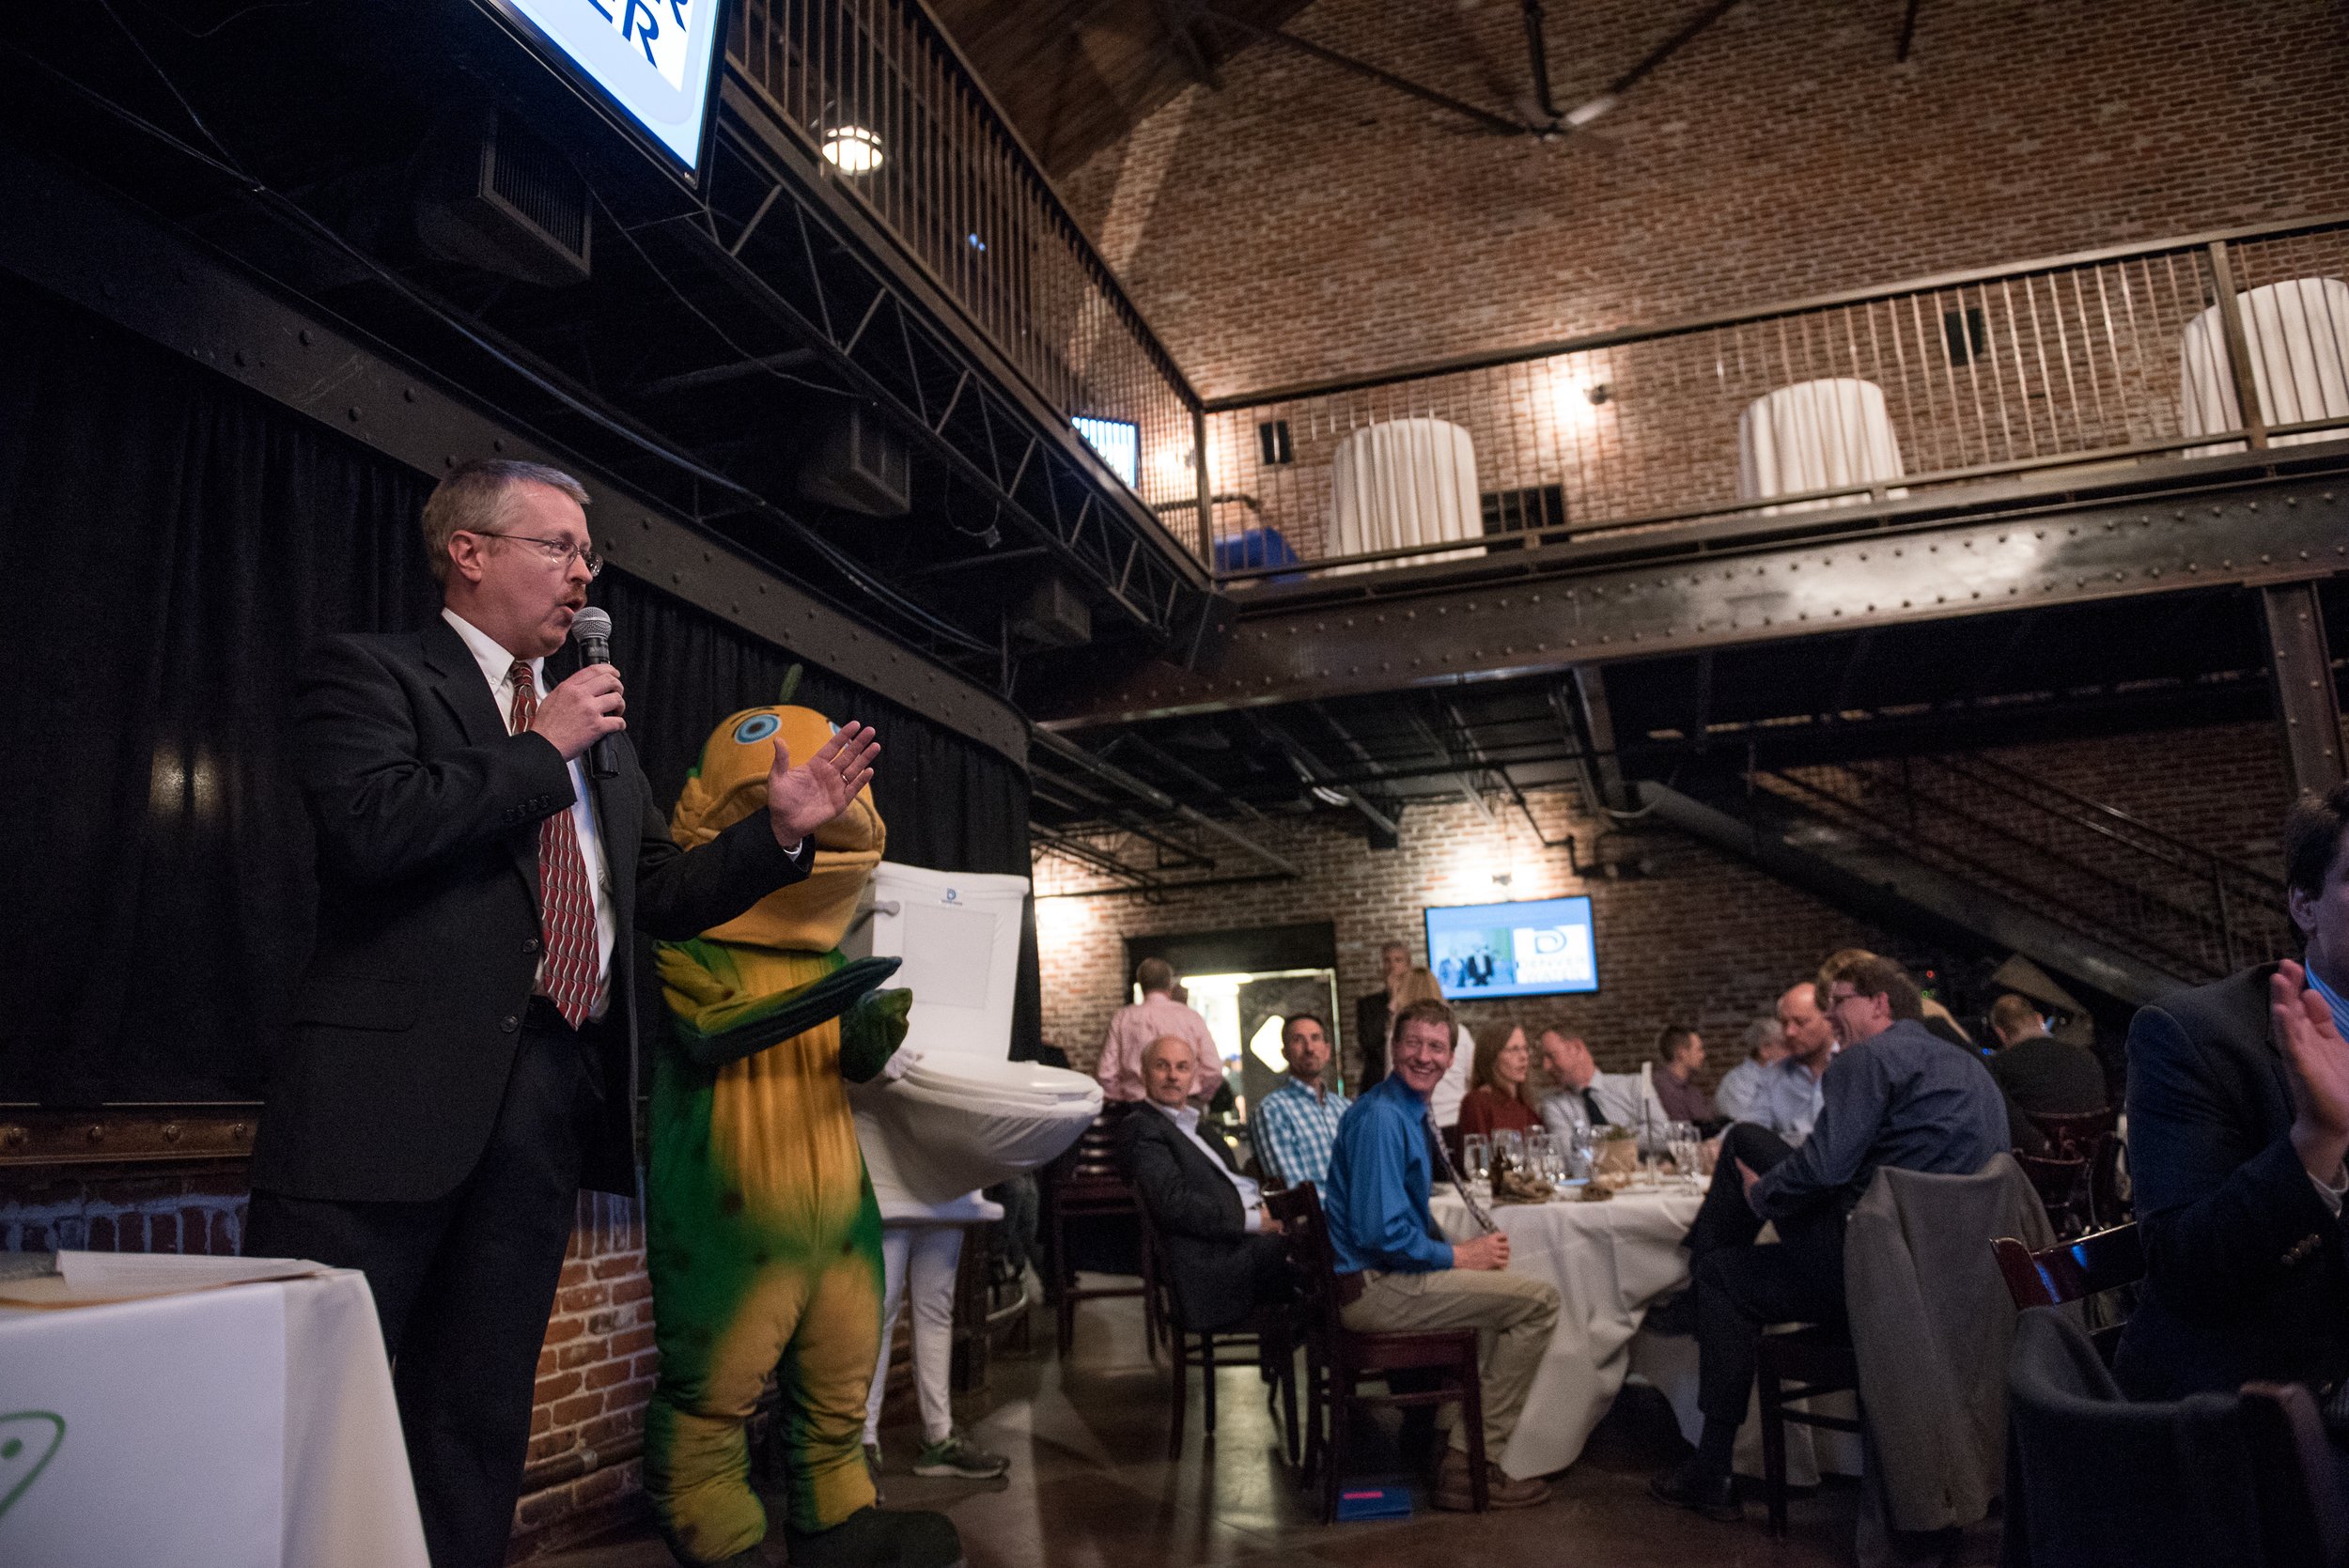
<point>1295,1125</point>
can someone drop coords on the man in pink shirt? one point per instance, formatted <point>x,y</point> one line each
<point>1133,1027</point>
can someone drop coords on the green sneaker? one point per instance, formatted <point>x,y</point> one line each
<point>958,1455</point>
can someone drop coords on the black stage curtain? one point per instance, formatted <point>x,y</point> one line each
<point>169,542</point>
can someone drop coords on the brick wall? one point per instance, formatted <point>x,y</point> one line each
<point>1702,940</point>
<point>595,1372</point>
<point>1303,223</point>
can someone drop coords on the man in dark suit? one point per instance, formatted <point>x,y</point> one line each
<point>2042,1076</point>
<point>2238,1121</point>
<point>463,1048</point>
<point>1225,1251</point>
<point>1373,1015</point>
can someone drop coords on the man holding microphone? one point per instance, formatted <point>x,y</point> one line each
<point>462,1053</point>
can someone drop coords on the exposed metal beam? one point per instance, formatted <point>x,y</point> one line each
<point>718,375</point>
<point>1592,723</point>
<point>1428,738</point>
<point>2301,669</point>
<point>1311,769</point>
<point>1433,633</point>
<point>1190,775</point>
<point>1404,84</point>
<point>1111,775</point>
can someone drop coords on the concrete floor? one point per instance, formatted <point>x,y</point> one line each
<point>1091,1486</point>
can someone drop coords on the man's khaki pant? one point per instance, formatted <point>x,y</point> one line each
<point>1514,1313</point>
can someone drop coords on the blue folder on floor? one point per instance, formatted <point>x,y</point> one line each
<point>1375,1502</point>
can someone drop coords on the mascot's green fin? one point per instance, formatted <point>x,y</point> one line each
<point>795,1012</point>
<point>871,1032</point>
<point>791,685</point>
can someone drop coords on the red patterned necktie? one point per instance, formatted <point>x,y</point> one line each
<point>572,973</point>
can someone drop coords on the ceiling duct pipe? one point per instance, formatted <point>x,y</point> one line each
<point>1111,773</point>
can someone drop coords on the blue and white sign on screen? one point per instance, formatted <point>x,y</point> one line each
<point>651,57</point>
<point>1539,947</point>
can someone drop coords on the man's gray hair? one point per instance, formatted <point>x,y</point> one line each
<point>472,499</point>
<point>1762,1033</point>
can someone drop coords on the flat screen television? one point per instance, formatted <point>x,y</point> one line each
<point>1536,947</point>
<point>650,63</point>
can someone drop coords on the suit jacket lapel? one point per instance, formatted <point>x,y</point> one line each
<point>458,684</point>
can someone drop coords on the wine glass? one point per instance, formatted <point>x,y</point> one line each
<point>1585,1151</point>
<point>1540,1156</point>
<point>1477,1158</point>
<point>1509,1143</point>
<point>1681,1139</point>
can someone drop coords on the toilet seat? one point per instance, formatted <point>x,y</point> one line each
<point>952,1122</point>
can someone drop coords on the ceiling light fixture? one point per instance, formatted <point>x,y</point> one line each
<point>1329,797</point>
<point>852,149</point>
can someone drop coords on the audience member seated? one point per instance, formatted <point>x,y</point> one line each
<point>2042,1076</point>
<point>1294,1125</point>
<point>1224,1253</point>
<point>1373,1015</point>
<point>2238,1104</point>
<point>1679,1052</point>
<point>1785,1094</point>
<point>1416,986</point>
<point>2022,1135</point>
<point>1764,1045</point>
<point>1399,1275</point>
<point>1499,1099</point>
<point>1893,1095</point>
<point>1587,1097</point>
<point>1132,1028</point>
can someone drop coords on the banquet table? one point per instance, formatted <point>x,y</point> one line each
<point>243,1426</point>
<point>1608,1260</point>
<point>1611,1262</point>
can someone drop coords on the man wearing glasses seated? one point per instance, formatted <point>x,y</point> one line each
<point>1895,1095</point>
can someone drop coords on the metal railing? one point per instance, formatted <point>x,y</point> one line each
<point>901,124</point>
<point>2103,359</point>
<point>2096,869</point>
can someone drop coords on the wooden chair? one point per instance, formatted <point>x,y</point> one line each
<point>2073,1271</point>
<point>1086,1183</point>
<point>1268,1337</point>
<point>1800,1363</point>
<point>1338,1361</point>
<point>2076,1136</point>
<point>2093,1136</point>
<point>2063,1186</point>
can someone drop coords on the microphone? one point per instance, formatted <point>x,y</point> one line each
<point>591,628</point>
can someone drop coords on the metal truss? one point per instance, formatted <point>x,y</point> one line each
<point>779,240</point>
<point>2278,517</point>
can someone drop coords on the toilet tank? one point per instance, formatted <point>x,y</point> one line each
<point>958,933</point>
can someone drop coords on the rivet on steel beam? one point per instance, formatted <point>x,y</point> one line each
<point>407,395</point>
<point>354,411</point>
<point>303,335</point>
<point>240,356</point>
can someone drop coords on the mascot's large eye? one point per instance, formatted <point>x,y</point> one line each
<point>758,726</point>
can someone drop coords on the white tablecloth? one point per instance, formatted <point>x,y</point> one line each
<point>1608,1260</point>
<point>251,1426</point>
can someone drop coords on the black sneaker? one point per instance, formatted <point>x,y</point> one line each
<point>1698,1489</point>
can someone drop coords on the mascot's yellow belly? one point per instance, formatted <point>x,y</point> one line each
<point>779,1119</point>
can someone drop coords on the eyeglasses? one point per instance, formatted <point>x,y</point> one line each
<point>558,552</point>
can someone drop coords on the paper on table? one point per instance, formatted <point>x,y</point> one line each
<point>92,1278</point>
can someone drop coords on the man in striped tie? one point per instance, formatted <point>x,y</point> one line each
<point>462,1053</point>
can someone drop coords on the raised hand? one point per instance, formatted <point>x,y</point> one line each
<point>2318,1060</point>
<point>802,799</point>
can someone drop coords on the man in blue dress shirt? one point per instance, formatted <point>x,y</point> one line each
<point>1895,1095</point>
<point>1397,1273</point>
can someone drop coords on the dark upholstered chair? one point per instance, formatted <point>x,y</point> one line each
<point>1338,1361</point>
<point>1086,1183</point>
<point>2095,1481</point>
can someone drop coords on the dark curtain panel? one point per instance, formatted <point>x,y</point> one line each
<point>169,542</point>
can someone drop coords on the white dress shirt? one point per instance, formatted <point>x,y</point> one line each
<point>1619,1098</point>
<point>1251,1196</point>
<point>497,668</point>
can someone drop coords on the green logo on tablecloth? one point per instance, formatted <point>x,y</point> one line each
<point>28,1440</point>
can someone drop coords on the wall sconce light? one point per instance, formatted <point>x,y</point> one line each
<point>852,149</point>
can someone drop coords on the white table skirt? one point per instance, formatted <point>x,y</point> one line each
<point>1608,1260</point>
<point>251,1426</point>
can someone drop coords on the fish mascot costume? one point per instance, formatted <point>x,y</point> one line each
<point>763,1238</point>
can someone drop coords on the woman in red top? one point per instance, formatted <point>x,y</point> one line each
<point>1497,1099</point>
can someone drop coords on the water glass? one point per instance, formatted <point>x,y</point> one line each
<point>1681,1140</point>
<point>1585,1151</point>
<point>1477,1158</point>
<point>1540,1157</point>
<point>1510,1143</point>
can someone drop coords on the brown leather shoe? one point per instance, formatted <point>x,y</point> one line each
<point>1501,1490</point>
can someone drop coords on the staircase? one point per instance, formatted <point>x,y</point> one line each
<point>1965,845</point>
